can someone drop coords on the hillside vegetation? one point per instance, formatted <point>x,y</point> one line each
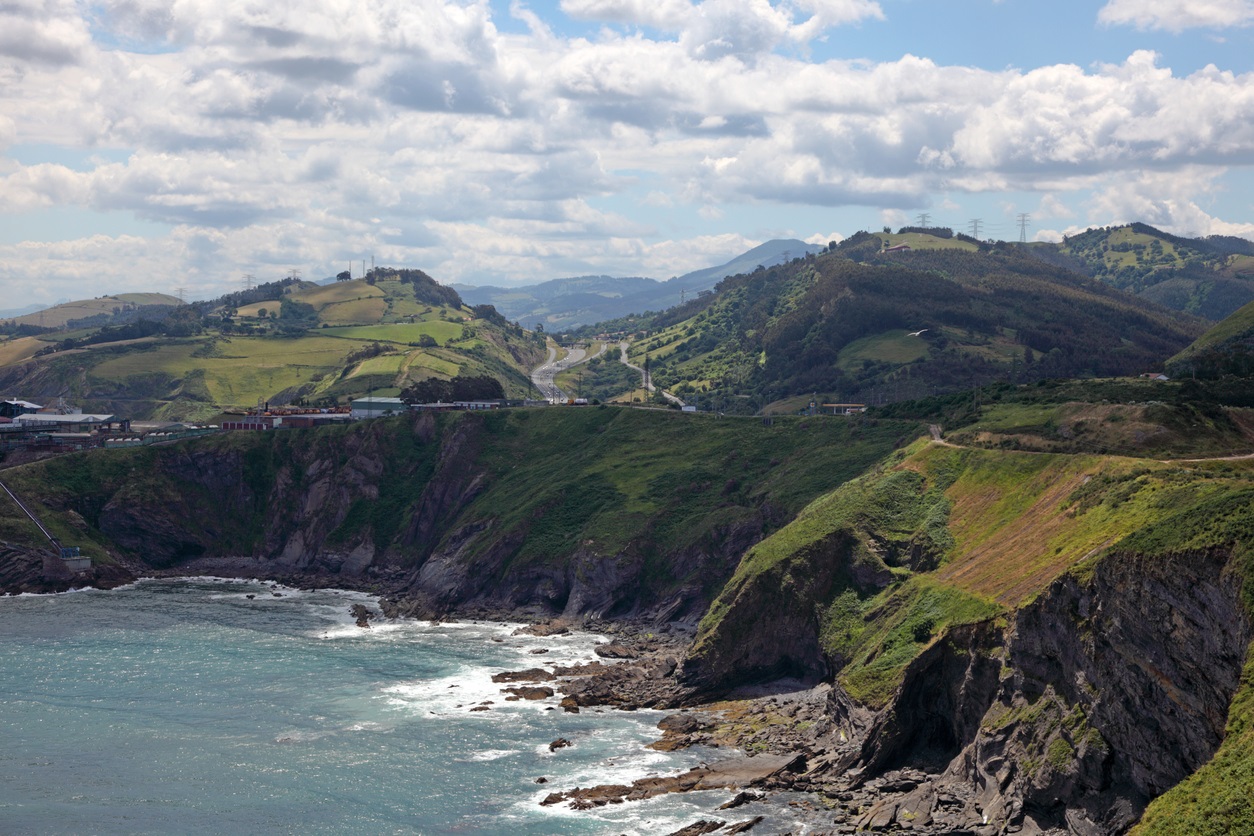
<point>1210,277</point>
<point>866,326</point>
<point>286,342</point>
<point>516,506</point>
<point>1227,349</point>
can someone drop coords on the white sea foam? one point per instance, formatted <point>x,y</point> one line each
<point>492,754</point>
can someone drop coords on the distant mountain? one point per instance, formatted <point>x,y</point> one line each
<point>561,304</point>
<point>15,312</point>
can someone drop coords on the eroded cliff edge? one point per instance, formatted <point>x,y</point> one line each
<point>1059,651</point>
<point>1043,642</point>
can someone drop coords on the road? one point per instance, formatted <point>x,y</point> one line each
<point>544,375</point>
<point>646,378</point>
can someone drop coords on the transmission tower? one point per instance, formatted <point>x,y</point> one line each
<point>248,281</point>
<point>974,226</point>
<point>925,220</point>
<point>294,273</point>
<point>180,292</point>
<point>1024,218</point>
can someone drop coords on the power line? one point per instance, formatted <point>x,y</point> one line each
<point>1024,218</point>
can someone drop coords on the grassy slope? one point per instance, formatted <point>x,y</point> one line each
<point>649,484</point>
<point>987,316</point>
<point>58,315</point>
<point>195,378</point>
<point>1239,324</point>
<point>1003,526</point>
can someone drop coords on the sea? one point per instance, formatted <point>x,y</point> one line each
<point>205,705</point>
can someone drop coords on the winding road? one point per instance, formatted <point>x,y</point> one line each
<point>544,376</point>
<point>646,377</point>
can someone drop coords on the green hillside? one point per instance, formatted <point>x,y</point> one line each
<point>1226,349</point>
<point>1209,277</point>
<point>864,325</point>
<point>286,342</point>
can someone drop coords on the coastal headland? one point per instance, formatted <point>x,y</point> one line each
<point>893,631</point>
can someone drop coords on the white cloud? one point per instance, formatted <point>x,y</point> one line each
<point>1168,201</point>
<point>824,240</point>
<point>266,133</point>
<point>1178,15</point>
<point>49,33</point>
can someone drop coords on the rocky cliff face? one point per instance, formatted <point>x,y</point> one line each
<point>1097,697</point>
<point>429,504</point>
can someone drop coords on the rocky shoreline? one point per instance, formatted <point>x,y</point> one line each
<point>803,752</point>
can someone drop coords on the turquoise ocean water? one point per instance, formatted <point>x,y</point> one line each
<point>183,706</point>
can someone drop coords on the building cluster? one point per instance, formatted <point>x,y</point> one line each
<point>24,424</point>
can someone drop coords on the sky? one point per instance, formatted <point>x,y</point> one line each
<point>187,145</point>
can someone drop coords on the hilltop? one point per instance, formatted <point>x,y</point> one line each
<point>121,307</point>
<point>562,304</point>
<point>283,342</point>
<point>1210,277</point>
<point>866,324</point>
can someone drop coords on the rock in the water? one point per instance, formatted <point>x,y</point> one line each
<point>560,743</point>
<point>700,827</point>
<point>531,692</point>
<point>740,800</point>
<point>529,675</point>
<point>362,614</point>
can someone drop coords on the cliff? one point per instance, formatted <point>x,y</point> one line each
<point>1042,642</point>
<point>1054,640</point>
<point>601,512</point>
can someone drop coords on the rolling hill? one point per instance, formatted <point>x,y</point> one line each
<point>894,325</point>
<point>280,343</point>
<point>86,312</point>
<point>1225,349</point>
<point>1210,277</point>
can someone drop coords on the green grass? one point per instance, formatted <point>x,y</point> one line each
<point>896,347</point>
<point>922,241</point>
<point>953,535</point>
<point>877,638</point>
<point>403,334</point>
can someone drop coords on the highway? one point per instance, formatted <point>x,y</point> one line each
<point>544,375</point>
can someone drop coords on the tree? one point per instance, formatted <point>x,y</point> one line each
<point>344,276</point>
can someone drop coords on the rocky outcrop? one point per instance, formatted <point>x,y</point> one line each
<point>1103,693</point>
<point>1115,689</point>
<point>771,628</point>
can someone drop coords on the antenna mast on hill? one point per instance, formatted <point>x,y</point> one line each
<point>1024,218</point>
